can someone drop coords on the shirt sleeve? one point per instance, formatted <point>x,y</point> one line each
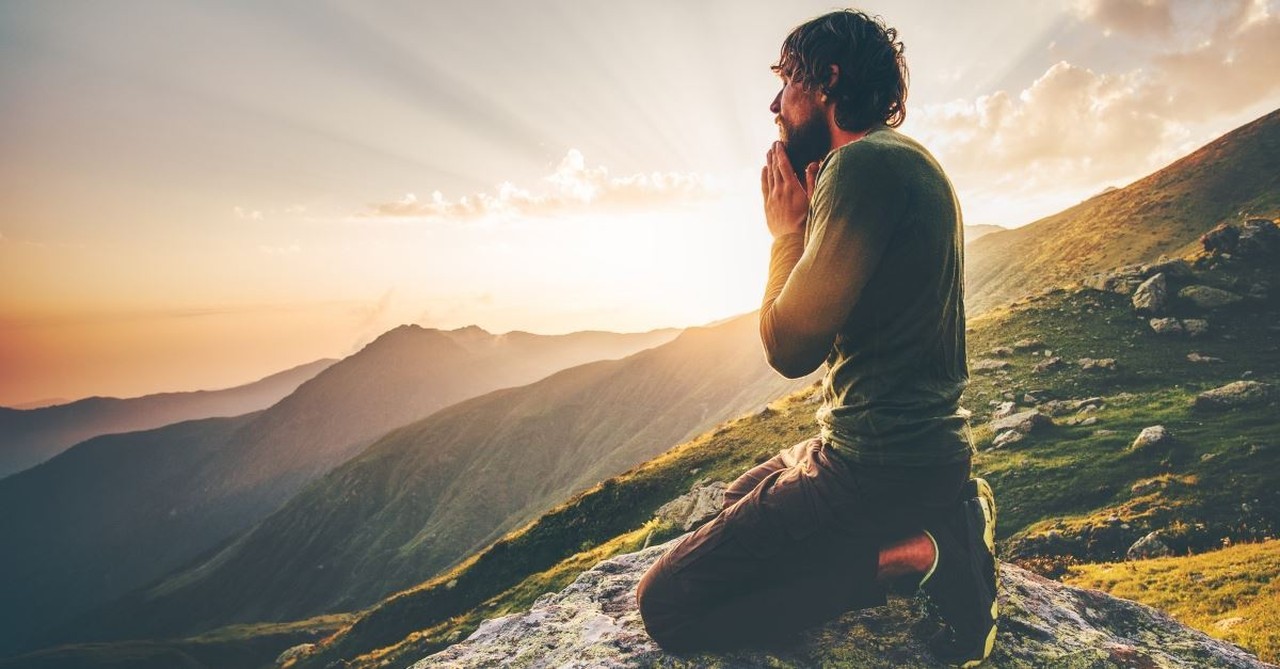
<point>816,280</point>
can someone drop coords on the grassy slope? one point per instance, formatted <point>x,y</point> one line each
<point>1160,214</point>
<point>1232,594</point>
<point>1070,483</point>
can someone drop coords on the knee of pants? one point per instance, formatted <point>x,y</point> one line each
<point>660,611</point>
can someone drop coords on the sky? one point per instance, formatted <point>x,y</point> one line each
<point>198,194</point>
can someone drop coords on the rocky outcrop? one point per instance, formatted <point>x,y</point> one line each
<point>702,501</point>
<point>1152,295</point>
<point>1234,394</point>
<point>1208,297</point>
<point>594,623</point>
<point>1156,435</point>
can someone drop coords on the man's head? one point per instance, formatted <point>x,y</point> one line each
<point>845,60</point>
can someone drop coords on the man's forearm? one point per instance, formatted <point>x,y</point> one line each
<point>783,257</point>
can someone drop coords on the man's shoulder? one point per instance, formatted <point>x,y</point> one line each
<point>886,153</point>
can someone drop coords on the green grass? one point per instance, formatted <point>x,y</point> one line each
<point>1231,594</point>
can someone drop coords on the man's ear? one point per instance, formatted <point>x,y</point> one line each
<point>835,76</point>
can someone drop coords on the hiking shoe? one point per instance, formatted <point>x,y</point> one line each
<point>962,582</point>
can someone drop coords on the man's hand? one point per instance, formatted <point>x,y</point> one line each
<point>786,200</point>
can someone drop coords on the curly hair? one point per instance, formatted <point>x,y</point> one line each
<point>872,85</point>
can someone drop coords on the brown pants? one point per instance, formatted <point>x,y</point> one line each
<point>796,544</point>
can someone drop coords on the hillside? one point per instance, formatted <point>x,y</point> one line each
<point>31,436</point>
<point>133,506</point>
<point>432,492</point>
<point>1163,213</point>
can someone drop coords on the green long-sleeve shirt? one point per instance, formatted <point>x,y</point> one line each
<point>875,287</point>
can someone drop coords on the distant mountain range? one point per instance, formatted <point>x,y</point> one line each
<point>1164,213</point>
<point>972,232</point>
<point>432,492</point>
<point>31,436</point>
<point>112,513</point>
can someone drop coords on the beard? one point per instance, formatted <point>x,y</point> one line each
<point>805,143</point>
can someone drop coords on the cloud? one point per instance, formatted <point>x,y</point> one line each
<point>572,186</point>
<point>1134,17</point>
<point>253,215</point>
<point>1073,127</point>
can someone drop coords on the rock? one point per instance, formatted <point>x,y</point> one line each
<point>1207,297</point>
<point>988,365</point>
<point>1005,438</point>
<point>1152,296</point>
<point>1259,237</point>
<point>1052,363</point>
<point>1149,546</point>
<point>1227,623</point>
<point>1090,364</point>
<point>1165,326</point>
<point>1149,485</point>
<point>294,653</point>
<point>1176,267</point>
<point>1023,422</point>
<point>1091,420</point>
<point>594,622</point>
<point>1028,398</point>
<point>1221,239</point>
<point>1195,327</point>
<point>703,501</point>
<point>1004,409</point>
<point>1002,351</point>
<point>1197,357</point>
<point>1025,344</point>
<point>1234,394</point>
<point>1154,435</point>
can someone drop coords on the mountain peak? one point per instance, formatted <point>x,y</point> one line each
<point>1042,623</point>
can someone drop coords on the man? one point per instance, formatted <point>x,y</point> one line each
<point>866,274</point>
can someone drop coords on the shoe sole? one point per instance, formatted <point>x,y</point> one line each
<point>982,513</point>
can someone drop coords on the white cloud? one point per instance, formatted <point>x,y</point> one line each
<point>1077,128</point>
<point>572,186</point>
<point>1135,17</point>
<point>253,215</point>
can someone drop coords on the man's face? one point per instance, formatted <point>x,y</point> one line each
<point>802,124</point>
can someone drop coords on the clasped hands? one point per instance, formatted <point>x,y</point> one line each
<point>786,200</point>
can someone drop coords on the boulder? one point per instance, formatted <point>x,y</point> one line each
<point>1005,438</point>
<point>1259,237</point>
<point>1195,327</point>
<point>1208,297</point>
<point>1152,296</point>
<point>1002,351</point>
<point>1091,364</point>
<point>1052,363</point>
<point>1195,356</point>
<point>294,653</point>
<point>594,622</point>
<point>1148,546</point>
<point>1175,267</point>
<point>988,365</point>
<point>1221,239</point>
<point>1165,326</point>
<point>1023,422</point>
<point>1234,394</point>
<point>703,501</point>
<point>1004,409</point>
<point>1154,435</point>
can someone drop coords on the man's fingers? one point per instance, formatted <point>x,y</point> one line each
<point>810,177</point>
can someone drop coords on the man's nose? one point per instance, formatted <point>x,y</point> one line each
<point>776,105</point>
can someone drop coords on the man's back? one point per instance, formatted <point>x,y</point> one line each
<point>897,368</point>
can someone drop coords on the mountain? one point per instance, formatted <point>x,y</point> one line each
<point>972,232</point>
<point>1163,213</point>
<point>115,512</point>
<point>432,492</point>
<point>31,436</point>
<point>1076,487</point>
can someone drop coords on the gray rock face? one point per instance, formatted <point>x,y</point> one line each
<point>1151,436</point>
<point>988,365</point>
<point>1024,422</point>
<point>1234,394</point>
<point>594,623</point>
<point>702,501</point>
<point>1165,325</point>
<point>1152,295</point>
<point>1195,327</point>
<point>1259,237</point>
<point>1208,297</point>
<point>1147,547</point>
